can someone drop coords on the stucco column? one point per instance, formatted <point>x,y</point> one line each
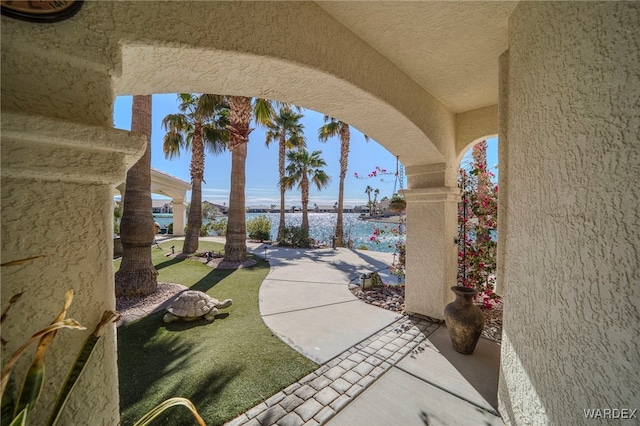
<point>431,249</point>
<point>179,217</point>
<point>58,180</point>
<point>569,223</point>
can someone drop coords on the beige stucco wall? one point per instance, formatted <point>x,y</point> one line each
<point>297,53</point>
<point>475,126</point>
<point>572,301</point>
<point>56,185</point>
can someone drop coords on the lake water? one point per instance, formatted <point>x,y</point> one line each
<point>322,226</point>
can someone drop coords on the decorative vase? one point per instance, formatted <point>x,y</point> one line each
<point>365,282</point>
<point>464,320</point>
<point>370,280</point>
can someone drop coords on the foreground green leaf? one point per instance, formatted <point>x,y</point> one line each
<point>172,402</point>
<point>80,363</point>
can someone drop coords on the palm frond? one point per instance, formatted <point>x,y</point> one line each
<point>302,163</point>
<point>287,182</point>
<point>186,102</point>
<point>207,105</point>
<point>215,139</point>
<point>320,179</point>
<point>329,130</point>
<point>263,111</point>
<point>172,143</point>
<point>176,122</point>
<point>272,135</point>
<point>296,141</point>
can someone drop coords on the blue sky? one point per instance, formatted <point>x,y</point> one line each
<point>262,162</point>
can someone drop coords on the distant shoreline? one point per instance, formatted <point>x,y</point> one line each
<point>387,219</point>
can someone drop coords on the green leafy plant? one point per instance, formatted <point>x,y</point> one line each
<point>219,226</point>
<point>17,406</point>
<point>259,228</point>
<point>295,236</point>
<point>204,230</point>
<point>164,406</point>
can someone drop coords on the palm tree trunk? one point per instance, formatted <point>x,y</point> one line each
<point>235,248</point>
<point>282,145</point>
<point>344,163</point>
<point>304,185</point>
<point>137,276</point>
<point>194,222</point>
<point>339,220</point>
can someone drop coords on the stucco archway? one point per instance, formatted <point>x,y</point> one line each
<point>431,166</point>
<point>238,73</point>
<point>170,186</point>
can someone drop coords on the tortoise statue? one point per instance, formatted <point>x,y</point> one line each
<point>191,305</point>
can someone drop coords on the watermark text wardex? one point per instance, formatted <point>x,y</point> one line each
<point>610,413</point>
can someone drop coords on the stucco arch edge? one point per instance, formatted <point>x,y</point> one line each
<point>170,68</point>
<point>473,127</point>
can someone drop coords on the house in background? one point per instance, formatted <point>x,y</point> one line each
<point>258,209</point>
<point>220,209</point>
<point>161,206</point>
<point>323,208</point>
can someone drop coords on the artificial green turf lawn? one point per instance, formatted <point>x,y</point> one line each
<point>224,367</point>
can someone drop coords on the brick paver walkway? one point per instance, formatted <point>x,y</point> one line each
<point>316,398</point>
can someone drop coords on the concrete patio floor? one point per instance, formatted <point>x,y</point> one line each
<point>376,367</point>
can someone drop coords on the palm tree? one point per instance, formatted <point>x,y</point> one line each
<point>286,129</point>
<point>334,127</point>
<point>368,190</point>
<point>376,192</point>
<point>303,168</point>
<point>201,123</point>
<point>137,276</point>
<point>241,112</point>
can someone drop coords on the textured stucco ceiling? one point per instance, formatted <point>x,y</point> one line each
<point>451,49</point>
